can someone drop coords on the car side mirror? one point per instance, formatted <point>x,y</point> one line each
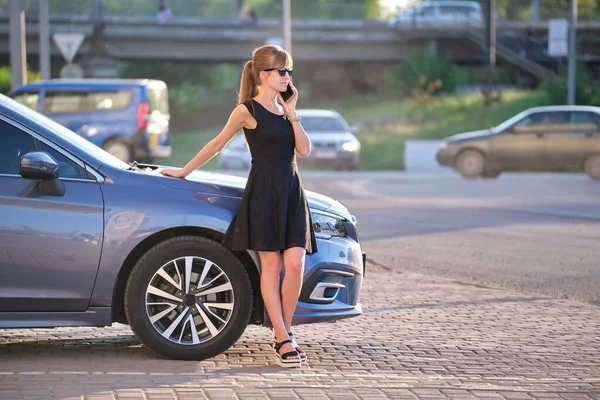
<point>40,165</point>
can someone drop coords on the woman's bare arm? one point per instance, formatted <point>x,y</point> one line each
<point>239,118</point>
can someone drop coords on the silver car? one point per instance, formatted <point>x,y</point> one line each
<point>88,240</point>
<point>334,145</point>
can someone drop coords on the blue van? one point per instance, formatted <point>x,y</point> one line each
<point>128,118</point>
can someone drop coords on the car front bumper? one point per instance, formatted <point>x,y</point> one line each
<point>335,158</point>
<point>445,156</point>
<point>332,281</point>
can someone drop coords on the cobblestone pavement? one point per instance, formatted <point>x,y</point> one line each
<point>420,337</point>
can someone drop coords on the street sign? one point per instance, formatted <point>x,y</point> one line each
<point>68,44</point>
<point>71,71</point>
<point>557,37</point>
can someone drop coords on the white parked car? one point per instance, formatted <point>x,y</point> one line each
<point>428,13</point>
<point>236,154</point>
<point>333,143</point>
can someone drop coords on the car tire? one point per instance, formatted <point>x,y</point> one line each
<point>592,167</point>
<point>119,148</point>
<point>470,163</point>
<point>165,318</point>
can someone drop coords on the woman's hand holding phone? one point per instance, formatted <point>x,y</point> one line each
<point>290,105</point>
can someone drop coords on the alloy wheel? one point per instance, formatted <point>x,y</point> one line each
<point>189,300</point>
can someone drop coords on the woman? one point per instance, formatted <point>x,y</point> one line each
<point>274,216</point>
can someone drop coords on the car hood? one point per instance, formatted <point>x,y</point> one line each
<point>469,135</point>
<point>229,185</point>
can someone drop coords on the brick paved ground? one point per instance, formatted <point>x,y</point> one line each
<point>419,338</point>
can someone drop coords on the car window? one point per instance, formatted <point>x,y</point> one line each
<point>425,11</point>
<point>29,99</point>
<point>82,144</point>
<point>158,100</point>
<point>323,124</point>
<point>583,120</point>
<point>455,10</point>
<point>542,121</point>
<point>13,144</point>
<point>56,102</point>
<point>66,167</point>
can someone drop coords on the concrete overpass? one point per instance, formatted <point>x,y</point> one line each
<point>367,43</point>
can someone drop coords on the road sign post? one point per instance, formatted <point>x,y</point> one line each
<point>572,53</point>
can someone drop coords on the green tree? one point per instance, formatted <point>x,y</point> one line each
<point>6,78</point>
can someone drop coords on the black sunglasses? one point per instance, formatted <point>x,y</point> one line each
<point>281,70</point>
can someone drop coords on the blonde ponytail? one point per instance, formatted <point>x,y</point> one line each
<point>248,83</point>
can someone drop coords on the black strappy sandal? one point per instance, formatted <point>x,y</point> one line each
<point>287,360</point>
<point>301,352</point>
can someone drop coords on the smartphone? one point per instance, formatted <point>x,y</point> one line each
<point>287,94</point>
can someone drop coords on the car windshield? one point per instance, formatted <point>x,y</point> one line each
<point>324,124</point>
<point>67,134</point>
<point>510,122</point>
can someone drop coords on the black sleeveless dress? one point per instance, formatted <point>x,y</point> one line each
<point>274,213</point>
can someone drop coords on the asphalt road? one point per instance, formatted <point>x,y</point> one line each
<point>537,233</point>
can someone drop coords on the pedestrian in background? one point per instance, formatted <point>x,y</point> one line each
<point>164,12</point>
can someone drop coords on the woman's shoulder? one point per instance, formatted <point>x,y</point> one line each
<point>248,107</point>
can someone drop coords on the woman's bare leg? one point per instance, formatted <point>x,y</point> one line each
<point>269,288</point>
<point>293,261</point>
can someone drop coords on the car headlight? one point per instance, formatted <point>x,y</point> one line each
<point>327,225</point>
<point>351,146</point>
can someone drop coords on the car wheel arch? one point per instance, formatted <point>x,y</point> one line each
<point>471,148</point>
<point>118,297</point>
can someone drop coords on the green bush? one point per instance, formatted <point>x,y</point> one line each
<point>6,78</point>
<point>587,92</point>
<point>425,72</point>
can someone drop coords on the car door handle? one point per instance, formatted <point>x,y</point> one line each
<point>540,135</point>
<point>589,134</point>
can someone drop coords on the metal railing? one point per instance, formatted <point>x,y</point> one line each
<point>209,9</point>
<point>228,9</point>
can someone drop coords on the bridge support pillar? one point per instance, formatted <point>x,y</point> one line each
<point>18,55</point>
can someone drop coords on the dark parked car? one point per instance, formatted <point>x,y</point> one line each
<point>86,239</point>
<point>555,138</point>
<point>128,118</point>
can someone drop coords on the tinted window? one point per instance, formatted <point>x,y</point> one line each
<point>328,124</point>
<point>67,168</point>
<point>13,144</point>
<point>29,99</point>
<point>69,102</point>
<point>29,116</point>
